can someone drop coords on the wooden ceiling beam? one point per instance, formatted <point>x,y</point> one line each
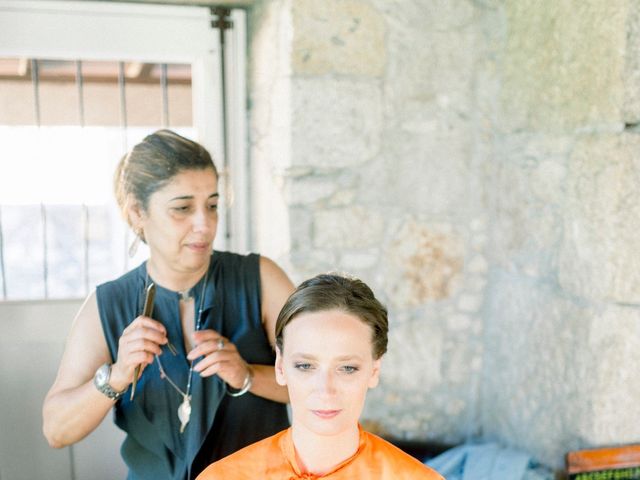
<point>24,67</point>
<point>138,70</point>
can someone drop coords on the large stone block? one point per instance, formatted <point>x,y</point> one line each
<point>336,122</point>
<point>528,195</point>
<point>427,388</point>
<point>429,76</point>
<point>563,64</point>
<point>411,344</point>
<point>359,260</point>
<point>308,262</point>
<point>535,390</point>
<point>337,36</point>
<point>433,167</point>
<point>631,107</point>
<point>440,15</point>
<point>598,257</point>
<point>422,263</point>
<point>309,186</point>
<point>611,356</point>
<point>430,374</point>
<point>351,227</point>
<point>558,374</point>
<point>310,189</point>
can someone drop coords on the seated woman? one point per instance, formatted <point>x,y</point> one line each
<point>330,338</point>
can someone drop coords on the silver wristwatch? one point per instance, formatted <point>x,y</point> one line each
<point>101,381</point>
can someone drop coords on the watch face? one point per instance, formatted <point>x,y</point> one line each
<point>101,381</point>
<point>102,375</point>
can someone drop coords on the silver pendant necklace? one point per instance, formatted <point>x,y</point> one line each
<point>184,410</point>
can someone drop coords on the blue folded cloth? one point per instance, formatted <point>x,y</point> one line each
<point>488,461</point>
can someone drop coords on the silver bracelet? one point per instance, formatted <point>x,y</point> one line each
<point>246,386</point>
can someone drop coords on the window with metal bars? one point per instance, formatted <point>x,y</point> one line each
<point>69,111</point>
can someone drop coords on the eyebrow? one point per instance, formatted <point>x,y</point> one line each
<point>190,197</point>
<point>342,358</point>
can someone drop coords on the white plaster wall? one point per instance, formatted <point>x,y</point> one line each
<point>32,341</point>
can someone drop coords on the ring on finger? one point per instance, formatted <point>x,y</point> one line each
<point>220,343</point>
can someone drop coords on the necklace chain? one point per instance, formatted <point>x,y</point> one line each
<point>197,321</point>
<point>184,411</point>
<point>166,377</point>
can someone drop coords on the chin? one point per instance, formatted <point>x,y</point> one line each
<point>204,253</point>
<point>194,263</point>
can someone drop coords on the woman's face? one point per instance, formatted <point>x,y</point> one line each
<point>180,222</point>
<point>327,364</point>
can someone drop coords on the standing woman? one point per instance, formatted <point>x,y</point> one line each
<point>204,356</point>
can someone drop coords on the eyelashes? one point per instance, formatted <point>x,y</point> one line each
<point>186,209</point>
<point>350,369</point>
<point>307,367</point>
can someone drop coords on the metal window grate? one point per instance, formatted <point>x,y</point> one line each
<point>42,73</point>
<point>77,62</point>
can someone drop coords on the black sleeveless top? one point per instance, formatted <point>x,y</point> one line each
<point>219,424</point>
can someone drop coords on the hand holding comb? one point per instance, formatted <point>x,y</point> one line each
<point>147,311</point>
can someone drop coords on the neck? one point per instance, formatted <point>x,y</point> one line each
<point>319,454</point>
<point>180,281</point>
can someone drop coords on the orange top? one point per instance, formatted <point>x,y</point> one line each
<point>274,458</point>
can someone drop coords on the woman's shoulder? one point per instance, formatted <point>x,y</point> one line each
<point>223,258</point>
<point>398,460</point>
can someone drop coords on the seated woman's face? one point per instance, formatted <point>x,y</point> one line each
<point>327,364</point>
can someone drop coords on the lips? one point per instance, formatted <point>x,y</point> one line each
<point>199,246</point>
<point>326,414</point>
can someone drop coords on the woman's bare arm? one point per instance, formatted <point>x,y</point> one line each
<point>227,362</point>
<point>73,407</point>
<point>276,288</point>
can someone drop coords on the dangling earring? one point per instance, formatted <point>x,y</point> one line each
<point>133,248</point>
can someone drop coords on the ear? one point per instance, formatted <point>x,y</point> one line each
<point>135,212</point>
<point>280,377</point>
<point>375,373</point>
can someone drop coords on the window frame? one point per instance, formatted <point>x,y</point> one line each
<point>109,31</point>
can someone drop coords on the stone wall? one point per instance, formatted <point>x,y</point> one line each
<point>470,161</point>
<point>364,136</point>
<point>562,319</point>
